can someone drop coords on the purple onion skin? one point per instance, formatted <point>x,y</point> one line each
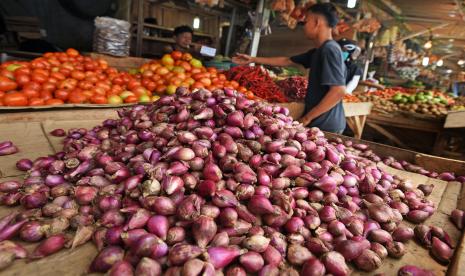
<point>411,270</point>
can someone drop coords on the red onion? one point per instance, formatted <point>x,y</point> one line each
<point>121,268</point>
<point>17,250</point>
<point>395,249</point>
<point>313,267</point>
<point>402,234</point>
<point>49,246</point>
<point>175,234</point>
<point>350,249</point>
<point>4,221</point>
<point>107,258</point>
<point>411,270</point>
<point>236,271</point>
<point>458,218</point>
<point>297,254</point>
<point>379,249</point>
<point>368,260</point>
<point>327,214</point>
<point>148,267</point>
<point>417,216</point>
<point>335,264</point>
<point>441,251</point>
<point>11,230</point>
<point>256,243</point>
<point>222,256</point>
<point>252,262</point>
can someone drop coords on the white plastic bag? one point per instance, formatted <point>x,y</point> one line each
<point>111,36</point>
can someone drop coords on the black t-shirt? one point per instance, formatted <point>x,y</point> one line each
<point>352,71</point>
<point>327,69</point>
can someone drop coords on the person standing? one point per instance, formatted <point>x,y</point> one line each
<point>350,53</point>
<point>327,78</point>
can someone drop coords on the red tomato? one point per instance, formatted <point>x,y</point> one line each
<point>61,94</point>
<point>98,99</point>
<point>58,75</point>
<point>22,79</point>
<point>79,75</point>
<point>49,86</point>
<point>72,52</point>
<point>15,99</point>
<point>53,102</point>
<point>30,93</point>
<point>76,97</point>
<point>176,55</point>
<point>36,102</point>
<point>38,77</point>
<point>7,84</point>
<point>131,99</point>
<point>46,95</point>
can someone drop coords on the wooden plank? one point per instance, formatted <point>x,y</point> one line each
<point>425,124</point>
<point>388,135</point>
<point>357,109</point>
<point>455,119</point>
<point>429,162</point>
<point>30,140</point>
<point>58,115</point>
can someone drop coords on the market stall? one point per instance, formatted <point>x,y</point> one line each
<point>446,195</point>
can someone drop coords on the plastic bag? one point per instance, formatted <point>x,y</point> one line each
<point>111,36</point>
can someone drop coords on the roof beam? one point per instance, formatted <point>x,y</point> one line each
<point>412,35</point>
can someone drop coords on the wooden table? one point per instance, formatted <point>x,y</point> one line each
<point>31,134</point>
<point>356,114</point>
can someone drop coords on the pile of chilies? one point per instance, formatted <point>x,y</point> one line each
<point>212,181</point>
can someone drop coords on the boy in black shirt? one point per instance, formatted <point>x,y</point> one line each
<point>327,78</point>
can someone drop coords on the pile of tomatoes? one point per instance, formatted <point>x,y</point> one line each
<point>178,69</point>
<point>67,77</point>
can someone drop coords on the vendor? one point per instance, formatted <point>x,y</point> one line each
<point>350,53</point>
<point>323,102</point>
<point>183,42</point>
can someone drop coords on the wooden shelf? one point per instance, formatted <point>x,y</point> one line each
<point>158,27</point>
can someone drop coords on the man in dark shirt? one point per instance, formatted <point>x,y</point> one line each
<point>327,78</point>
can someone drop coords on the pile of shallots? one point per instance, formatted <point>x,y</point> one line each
<point>210,182</point>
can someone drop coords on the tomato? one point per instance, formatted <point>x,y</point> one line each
<point>22,79</point>
<point>30,93</point>
<point>45,95</point>
<point>33,85</point>
<point>38,77</point>
<point>186,66</point>
<point>234,84</point>
<point>58,75</point>
<point>15,99</point>
<point>76,98</point>
<point>98,99</point>
<point>115,99</point>
<point>160,89</point>
<point>131,99</point>
<point>68,84</point>
<point>49,86</point>
<point>162,71</point>
<point>147,74</point>
<point>61,94</point>
<point>23,70</point>
<point>139,91</point>
<point>7,84</point>
<point>198,85</point>
<point>85,85</point>
<point>72,52</point>
<point>151,86</point>
<point>53,102</point>
<point>176,81</point>
<point>186,57</point>
<point>89,94</point>
<point>2,94</point>
<point>79,75</point>
<point>206,81</point>
<point>36,102</point>
<point>176,55</point>
<point>250,95</point>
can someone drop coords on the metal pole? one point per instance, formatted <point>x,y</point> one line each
<point>257,28</point>
<point>140,27</point>
<point>230,32</point>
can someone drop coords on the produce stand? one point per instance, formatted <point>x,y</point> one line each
<point>356,114</point>
<point>32,138</point>
<point>440,128</point>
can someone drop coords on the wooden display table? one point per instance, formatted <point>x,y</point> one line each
<point>33,139</point>
<point>356,114</point>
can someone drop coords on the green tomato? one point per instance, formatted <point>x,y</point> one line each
<point>115,99</point>
<point>13,67</point>
<point>144,99</point>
